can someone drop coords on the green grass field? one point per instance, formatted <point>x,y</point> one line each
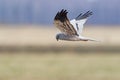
<point>64,66</point>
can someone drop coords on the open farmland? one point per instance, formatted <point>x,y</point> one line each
<point>45,35</point>
<point>32,53</point>
<point>65,66</point>
<point>42,38</point>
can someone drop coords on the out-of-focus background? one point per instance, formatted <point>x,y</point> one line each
<point>29,50</point>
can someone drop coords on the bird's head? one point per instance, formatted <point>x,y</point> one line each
<point>57,37</point>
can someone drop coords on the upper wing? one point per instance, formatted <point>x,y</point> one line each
<point>80,20</point>
<point>62,22</point>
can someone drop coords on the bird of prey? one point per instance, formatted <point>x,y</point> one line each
<point>71,29</point>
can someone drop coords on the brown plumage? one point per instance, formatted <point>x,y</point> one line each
<point>62,22</point>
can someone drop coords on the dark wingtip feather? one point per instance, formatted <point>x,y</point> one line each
<point>85,15</point>
<point>62,15</point>
<point>78,16</point>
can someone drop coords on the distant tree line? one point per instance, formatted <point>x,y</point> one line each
<point>18,13</point>
<point>35,12</point>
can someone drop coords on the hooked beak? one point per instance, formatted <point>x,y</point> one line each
<point>57,39</point>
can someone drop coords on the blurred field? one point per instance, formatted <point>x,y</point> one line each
<point>45,35</point>
<point>32,53</point>
<point>42,39</point>
<point>62,66</point>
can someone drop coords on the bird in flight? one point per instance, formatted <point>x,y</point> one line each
<point>71,29</point>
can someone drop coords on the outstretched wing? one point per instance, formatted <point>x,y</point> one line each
<point>62,22</point>
<point>79,21</point>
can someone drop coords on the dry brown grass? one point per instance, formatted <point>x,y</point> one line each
<point>63,66</point>
<point>36,35</point>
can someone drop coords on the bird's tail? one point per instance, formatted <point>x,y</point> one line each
<point>88,39</point>
<point>94,40</point>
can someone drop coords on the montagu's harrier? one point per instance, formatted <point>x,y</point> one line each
<point>71,30</point>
